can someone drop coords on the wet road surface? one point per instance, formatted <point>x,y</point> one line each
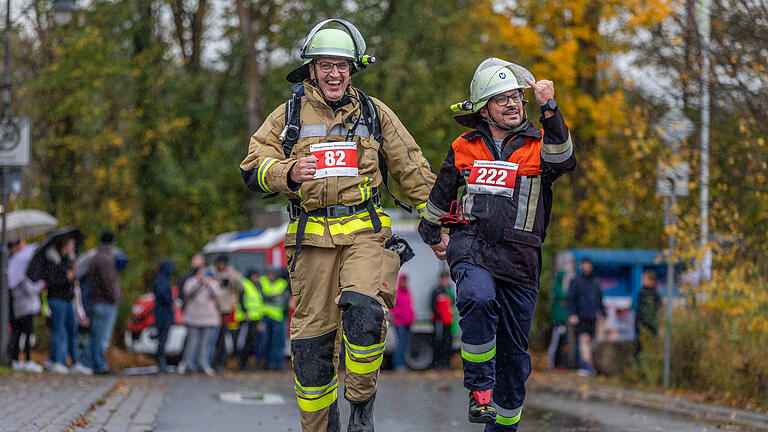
<point>404,403</point>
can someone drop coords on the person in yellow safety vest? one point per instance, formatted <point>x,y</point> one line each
<point>249,313</point>
<point>276,296</point>
<point>328,150</point>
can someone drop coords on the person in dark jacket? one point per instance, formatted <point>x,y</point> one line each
<point>506,166</point>
<point>106,296</point>
<point>648,305</point>
<point>59,280</point>
<point>585,303</point>
<point>161,287</point>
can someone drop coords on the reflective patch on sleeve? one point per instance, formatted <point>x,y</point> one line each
<point>420,209</point>
<point>433,213</point>
<point>557,153</point>
<point>262,173</point>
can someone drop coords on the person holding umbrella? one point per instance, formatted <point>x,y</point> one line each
<point>25,296</point>
<point>53,263</point>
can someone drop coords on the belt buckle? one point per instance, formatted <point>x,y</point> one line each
<point>294,211</point>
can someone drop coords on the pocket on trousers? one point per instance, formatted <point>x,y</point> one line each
<point>297,282</point>
<point>390,266</point>
<point>297,286</point>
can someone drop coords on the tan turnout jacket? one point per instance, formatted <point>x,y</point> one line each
<point>269,168</point>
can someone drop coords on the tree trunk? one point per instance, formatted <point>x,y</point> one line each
<point>254,98</point>
<point>587,82</point>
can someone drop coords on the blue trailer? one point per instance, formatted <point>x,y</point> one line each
<point>619,272</point>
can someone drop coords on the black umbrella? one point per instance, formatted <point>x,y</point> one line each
<point>40,265</point>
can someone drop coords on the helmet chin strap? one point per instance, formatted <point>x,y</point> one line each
<point>316,83</point>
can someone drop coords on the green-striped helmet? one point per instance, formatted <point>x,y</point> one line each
<point>492,77</point>
<point>332,38</point>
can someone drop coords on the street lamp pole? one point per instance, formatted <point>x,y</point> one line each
<point>11,133</point>
<point>4,293</point>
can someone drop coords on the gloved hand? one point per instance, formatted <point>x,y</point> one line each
<point>401,247</point>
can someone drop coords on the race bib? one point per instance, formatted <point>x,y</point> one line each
<point>335,159</point>
<point>493,177</point>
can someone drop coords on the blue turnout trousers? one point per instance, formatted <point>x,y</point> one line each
<point>495,321</point>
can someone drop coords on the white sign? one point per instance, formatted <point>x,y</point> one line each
<point>14,141</point>
<point>674,127</point>
<point>335,159</point>
<point>673,179</point>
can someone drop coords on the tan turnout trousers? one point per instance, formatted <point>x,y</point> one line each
<point>348,287</point>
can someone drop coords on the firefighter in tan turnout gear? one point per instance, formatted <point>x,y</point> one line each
<point>329,150</point>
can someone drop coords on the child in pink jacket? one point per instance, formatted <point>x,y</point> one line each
<point>402,319</point>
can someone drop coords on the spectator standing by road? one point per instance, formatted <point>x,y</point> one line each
<point>648,305</point>
<point>197,261</point>
<point>25,304</point>
<point>585,303</point>
<point>106,296</point>
<point>559,323</point>
<point>248,312</point>
<point>59,280</point>
<point>161,287</point>
<point>276,296</point>
<point>201,316</point>
<point>442,318</point>
<point>402,319</point>
<point>231,287</point>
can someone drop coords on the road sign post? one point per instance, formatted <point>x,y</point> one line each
<point>672,181</point>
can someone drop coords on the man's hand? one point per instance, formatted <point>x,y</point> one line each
<point>304,169</point>
<point>544,90</point>
<point>573,319</point>
<point>439,248</point>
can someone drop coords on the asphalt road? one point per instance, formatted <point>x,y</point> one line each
<point>405,403</point>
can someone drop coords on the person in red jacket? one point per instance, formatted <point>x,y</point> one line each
<point>506,167</point>
<point>442,319</point>
<point>402,319</point>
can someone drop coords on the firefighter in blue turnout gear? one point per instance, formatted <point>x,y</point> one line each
<point>506,167</point>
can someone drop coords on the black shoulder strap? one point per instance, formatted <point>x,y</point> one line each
<point>290,134</point>
<point>373,122</point>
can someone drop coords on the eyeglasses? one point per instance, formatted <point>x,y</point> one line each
<point>503,100</point>
<point>326,67</point>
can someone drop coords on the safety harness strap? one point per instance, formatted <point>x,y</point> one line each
<point>302,225</point>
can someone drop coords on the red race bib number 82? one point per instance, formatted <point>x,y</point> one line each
<point>493,177</point>
<point>335,159</point>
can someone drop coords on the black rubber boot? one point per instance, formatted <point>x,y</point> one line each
<point>361,415</point>
<point>480,408</point>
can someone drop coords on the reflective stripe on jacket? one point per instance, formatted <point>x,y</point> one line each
<point>266,168</point>
<point>504,234</point>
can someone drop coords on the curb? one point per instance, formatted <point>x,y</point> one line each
<point>659,402</point>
